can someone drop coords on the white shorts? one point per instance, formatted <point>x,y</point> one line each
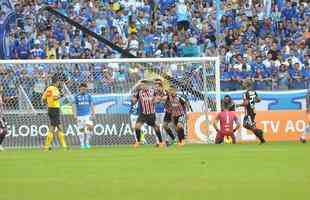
<point>160,118</point>
<point>133,120</point>
<point>84,121</point>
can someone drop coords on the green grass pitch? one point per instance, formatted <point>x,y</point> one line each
<point>242,172</point>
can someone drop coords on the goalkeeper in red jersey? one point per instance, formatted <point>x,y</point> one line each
<point>227,119</point>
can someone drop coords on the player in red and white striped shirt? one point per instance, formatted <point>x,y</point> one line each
<point>146,98</point>
<point>176,107</point>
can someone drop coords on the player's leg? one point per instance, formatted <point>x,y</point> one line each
<point>61,136</point>
<point>50,135</point>
<point>219,138</point>
<point>233,137</point>
<point>138,125</point>
<point>179,123</point>
<point>51,130</point>
<point>151,121</point>
<point>81,134</point>
<point>89,130</point>
<point>166,128</point>
<point>249,123</point>
<point>57,123</point>
<point>3,132</point>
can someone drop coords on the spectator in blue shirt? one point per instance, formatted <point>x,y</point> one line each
<point>306,75</point>
<point>295,78</point>
<point>23,49</point>
<point>182,15</point>
<point>262,81</point>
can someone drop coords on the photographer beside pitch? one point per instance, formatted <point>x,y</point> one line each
<point>51,97</point>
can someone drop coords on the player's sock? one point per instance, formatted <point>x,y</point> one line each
<point>138,135</point>
<point>88,136</point>
<point>259,135</point>
<point>181,135</point>
<point>158,134</point>
<point>61,137</point>
<point>49,139</point>
<point>142,136</point>
<point>2,136</point>
<point>82,139</point>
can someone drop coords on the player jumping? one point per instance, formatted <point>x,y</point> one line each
<point>250,98</point>
<point>145,97</point>
<point>227,119</point>
<point>84,110</point>
<point>52,97</point>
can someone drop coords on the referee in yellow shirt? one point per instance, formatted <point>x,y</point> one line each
<point>51,96</point>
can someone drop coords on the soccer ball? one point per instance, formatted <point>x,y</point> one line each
<point>302,139</point>
<point>228,140</point>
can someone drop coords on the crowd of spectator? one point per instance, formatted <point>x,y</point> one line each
<point>263,40</point>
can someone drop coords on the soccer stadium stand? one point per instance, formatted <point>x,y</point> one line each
<point>264,40</point>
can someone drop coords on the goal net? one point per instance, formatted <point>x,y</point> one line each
<point>110,82</point>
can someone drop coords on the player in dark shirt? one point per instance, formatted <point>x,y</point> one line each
<point>250,98</point>
<point>146,98</point>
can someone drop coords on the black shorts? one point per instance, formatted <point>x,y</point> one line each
<point>168,117</point>
<point>179,120</point>
<point>149,119</point>
<point>2,123</point>
<point>54,116</point>
<point>249,121</point>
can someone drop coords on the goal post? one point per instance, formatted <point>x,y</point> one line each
<point>110,82</point>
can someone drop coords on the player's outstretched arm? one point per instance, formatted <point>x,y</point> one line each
<point>134,100</point>
<point>215,122</point>
<point>237,122</point>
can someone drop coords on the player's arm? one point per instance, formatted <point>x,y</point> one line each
<point>237,122</point>
<point>44,95</point>
<point>257,98</point>
<point>134,100</point>
<point>215,122</point>
<point>56,94</point>
<point>244,103</point>
<point>186,105</point>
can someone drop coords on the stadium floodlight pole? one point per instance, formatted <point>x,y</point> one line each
<point>125,53</point>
